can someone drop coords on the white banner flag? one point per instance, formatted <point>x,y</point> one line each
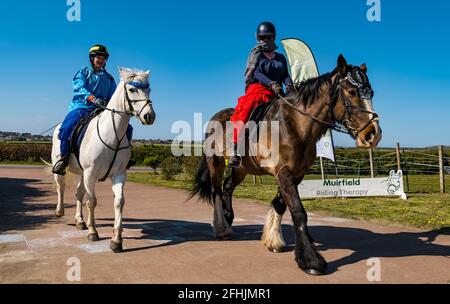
<point>325,146</point>
<point>303,67</point>
<point>301,60</point>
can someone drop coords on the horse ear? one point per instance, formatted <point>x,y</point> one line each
<point>123,72</point>
<point>147,73</point>
<point>342,66</point>
<point>364,68</point>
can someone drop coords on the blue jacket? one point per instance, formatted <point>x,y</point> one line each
<point>88,82</point>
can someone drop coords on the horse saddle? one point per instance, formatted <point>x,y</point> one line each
<point>77,136</point>
<point>258,114</point>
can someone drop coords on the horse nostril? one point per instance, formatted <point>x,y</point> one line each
<point>369,136</point>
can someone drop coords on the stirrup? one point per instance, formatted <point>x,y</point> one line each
<point>234,161</point>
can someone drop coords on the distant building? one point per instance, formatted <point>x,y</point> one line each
<point>26,137</point>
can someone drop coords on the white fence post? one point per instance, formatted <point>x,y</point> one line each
<point>441,169</point>
<point>371,163</point>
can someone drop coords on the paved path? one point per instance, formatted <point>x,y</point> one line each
<point>170,241</point>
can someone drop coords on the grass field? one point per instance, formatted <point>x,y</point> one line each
<point>422,210</point>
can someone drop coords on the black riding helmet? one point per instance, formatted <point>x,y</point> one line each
<point>98,50</point>
<point>266,29</point>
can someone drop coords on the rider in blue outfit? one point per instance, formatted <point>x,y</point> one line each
<point>93,87</point>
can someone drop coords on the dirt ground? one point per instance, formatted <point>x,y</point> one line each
<point>168,240</point>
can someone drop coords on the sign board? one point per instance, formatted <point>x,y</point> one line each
<point>354,187</point>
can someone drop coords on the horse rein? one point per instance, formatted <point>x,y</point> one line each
<point>132,114</point>
<point>347,129</point>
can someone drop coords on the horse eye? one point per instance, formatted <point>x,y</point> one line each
<point>132,90</point>
<point>352,92</point>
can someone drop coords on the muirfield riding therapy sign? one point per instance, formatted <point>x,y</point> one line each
<point>354,187</point>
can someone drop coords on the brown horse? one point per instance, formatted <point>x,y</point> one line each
<point>342,97</point>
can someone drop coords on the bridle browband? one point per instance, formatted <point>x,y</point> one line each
<point>364,92</point>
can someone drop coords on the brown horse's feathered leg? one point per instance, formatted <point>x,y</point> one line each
<point>308,259</point>
<point>272,236</point>
<point>222,229</point>
<point>231,182</point>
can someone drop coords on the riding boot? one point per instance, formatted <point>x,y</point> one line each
<point>235,159</point>
<point>61,165</point>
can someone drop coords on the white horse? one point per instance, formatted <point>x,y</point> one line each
<point>105,152</point>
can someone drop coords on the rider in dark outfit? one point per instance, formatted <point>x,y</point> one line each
<point>266,72</point>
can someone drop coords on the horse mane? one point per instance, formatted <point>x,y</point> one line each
<point>136,75</point>
<point>133,72</point>
<point>307,91</point>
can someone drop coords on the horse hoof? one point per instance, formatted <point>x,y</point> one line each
<point>276,250</point>
<point>93,237</point>
<point>81,226</point>
<point>59,213</point>
<point>224,237</point>
<point>314,272</point>
<point>116,247</point>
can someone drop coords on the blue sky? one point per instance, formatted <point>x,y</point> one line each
<point>197,50</point>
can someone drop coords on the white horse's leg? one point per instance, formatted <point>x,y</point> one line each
<point>118,183</point>
<point>89,185</point>
<point>81,191</point>
<point>60,187</point>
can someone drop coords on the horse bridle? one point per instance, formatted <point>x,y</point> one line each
<point>336,92</point>
<point>132,114</point>
<point>366,94</point>
<point>139,85</point>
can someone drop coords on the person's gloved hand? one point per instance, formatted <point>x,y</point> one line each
<point>290,88</point>
<point>276,88</point>
<point>97,101</point>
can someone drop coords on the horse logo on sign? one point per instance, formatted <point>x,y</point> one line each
<point>393,182</point>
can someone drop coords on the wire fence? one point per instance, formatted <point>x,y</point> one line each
<point>422,168</point>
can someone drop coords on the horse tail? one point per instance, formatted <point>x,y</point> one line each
<point>46,162</point>
<point>48,168</point>
<point>202,185</point>
<point>69,179</point>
